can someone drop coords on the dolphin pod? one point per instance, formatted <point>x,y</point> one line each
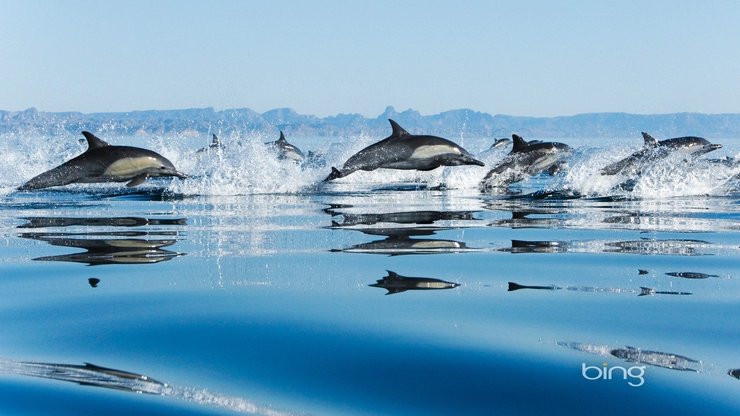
<point>102,162</point>
<point>527,158</point>
<point>405,151</point>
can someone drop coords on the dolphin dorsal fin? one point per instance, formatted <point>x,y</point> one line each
<point>93,142</point>
<point>282,137</point>
<point>519,143</point>
<point>649,140</point>
<point>392,275</point>
<point>398,131</point>
<point>215,142</point>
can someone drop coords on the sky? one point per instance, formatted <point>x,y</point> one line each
<point>321,57</point>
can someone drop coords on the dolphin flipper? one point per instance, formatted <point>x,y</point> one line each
<point>137,180</point>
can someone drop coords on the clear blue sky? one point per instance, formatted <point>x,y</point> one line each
<point>519,57</point>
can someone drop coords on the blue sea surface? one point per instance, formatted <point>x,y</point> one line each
<point>252,287</point>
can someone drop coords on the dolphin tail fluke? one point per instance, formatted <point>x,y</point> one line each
<point>335,173</point>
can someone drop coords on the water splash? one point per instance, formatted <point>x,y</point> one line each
<point>247,166</point>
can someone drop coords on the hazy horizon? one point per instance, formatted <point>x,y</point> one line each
<point>529,58</point>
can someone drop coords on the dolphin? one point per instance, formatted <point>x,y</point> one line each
<point>287,150</point>
<point>215,145</point>
<point>405,151</point>
<point>653,149</point>
<point>500,143</point>
<point>102,162</point>
<point>527,159</point>
<point>395,283</point>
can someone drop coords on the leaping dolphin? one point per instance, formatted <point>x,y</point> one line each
<point>287,150</point>
<point>215,145</point>
<point>653,150</point>
<point>102,162</point>
<point>405,151</point>
<point>527,159</point>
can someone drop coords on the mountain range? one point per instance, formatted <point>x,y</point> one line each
<point>450,124</point>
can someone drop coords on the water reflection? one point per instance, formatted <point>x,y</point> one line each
<point>425,217</point>
<point>395,283</point>
<point>522,246</point>
<point>105,246</point>
<point>47,222</point>
<point>691,275</point>
<point>637,355</point>
<point>642,291</point>
<point>86,375</point>
<point>110,378</point>
<point>645,246</point>
<point>680,215</point>
<point>523,219</point>
<point>402,241</point>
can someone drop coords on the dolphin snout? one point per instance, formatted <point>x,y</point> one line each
<point>714,146</point>
<point>475,162</point>
<point>709,148</point>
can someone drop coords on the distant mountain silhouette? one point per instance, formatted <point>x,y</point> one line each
<point>450,124</point>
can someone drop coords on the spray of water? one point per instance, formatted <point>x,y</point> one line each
<point>246,166</point>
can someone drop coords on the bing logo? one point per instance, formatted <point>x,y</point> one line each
<point>605,372</point>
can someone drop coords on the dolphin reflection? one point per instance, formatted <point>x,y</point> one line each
<point>637,355</point>
<point>110,378</point>
<point>45,222</point>
<point>395,283</point>
<point>106,246</point>
<point>86,375</point>
<point>402,241</point>
<point>644,291</point>
<point>110,250</point>
<point>404,217</point>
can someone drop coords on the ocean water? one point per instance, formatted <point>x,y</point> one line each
<point>253,288</point>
